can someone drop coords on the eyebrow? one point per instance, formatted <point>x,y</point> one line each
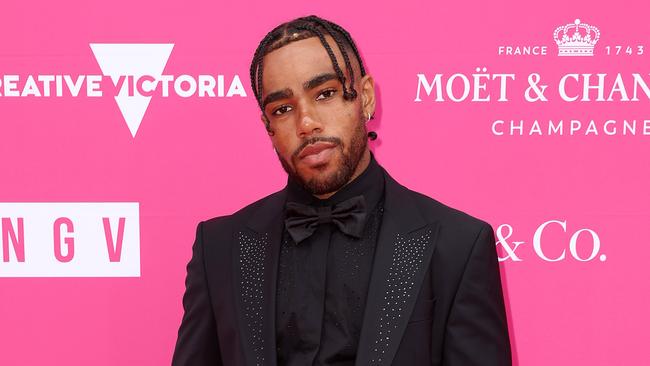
<point>307,85</point>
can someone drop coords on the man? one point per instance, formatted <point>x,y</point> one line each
<point>344,266</point>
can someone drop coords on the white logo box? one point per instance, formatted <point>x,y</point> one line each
<point>70,239</point>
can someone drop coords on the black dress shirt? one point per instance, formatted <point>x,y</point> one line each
<point>323,280</point>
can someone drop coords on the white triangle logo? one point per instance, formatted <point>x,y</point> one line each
<point>136,59</point>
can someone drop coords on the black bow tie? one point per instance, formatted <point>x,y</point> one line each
<point>302,220</point>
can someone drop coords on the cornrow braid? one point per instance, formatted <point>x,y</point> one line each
<point>346,94</point>
<point>302,28</point>
<point>351,43</point>
<point>331,54</point>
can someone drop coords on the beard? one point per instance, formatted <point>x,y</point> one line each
<point>342,174</point>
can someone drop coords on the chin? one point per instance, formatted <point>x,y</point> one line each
<point>321,179</point>
<point>317,173</point>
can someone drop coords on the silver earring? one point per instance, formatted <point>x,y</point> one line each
<point>369,117</point>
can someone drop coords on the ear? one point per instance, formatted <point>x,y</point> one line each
<point>367,86</point>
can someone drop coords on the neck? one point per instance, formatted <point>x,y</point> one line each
<point>363,164</point>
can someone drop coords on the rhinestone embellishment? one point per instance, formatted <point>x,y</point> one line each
<point>408,255</point>
<point>252,256</point>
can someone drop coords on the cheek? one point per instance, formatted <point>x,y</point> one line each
<point>283,143</point>
<point>343,123</point>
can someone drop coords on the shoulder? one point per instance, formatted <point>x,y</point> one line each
<point>435,210</point>
<point>243,215</point>
<point>457,229</point>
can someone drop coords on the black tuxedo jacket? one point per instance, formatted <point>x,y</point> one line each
<point>434,297</point>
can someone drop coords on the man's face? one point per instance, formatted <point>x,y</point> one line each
<point>319,136</point>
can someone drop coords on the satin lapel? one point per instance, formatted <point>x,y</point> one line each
<point>255,260</point>
<point>404,248</point>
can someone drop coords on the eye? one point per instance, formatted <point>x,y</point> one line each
<point>326,94</point>
<point>281,110</point>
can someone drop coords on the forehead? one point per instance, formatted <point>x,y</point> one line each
<point>297,62</point>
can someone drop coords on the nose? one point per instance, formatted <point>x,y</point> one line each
<point>308,123</point>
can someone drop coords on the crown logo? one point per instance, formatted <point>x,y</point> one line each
<point>576,39</point>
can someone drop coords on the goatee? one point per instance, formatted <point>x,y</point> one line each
<point>342,175</point>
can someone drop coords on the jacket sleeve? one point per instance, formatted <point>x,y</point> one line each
<point>477,330</point>
<point>197,343</point>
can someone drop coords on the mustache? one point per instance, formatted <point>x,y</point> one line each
<point>315,139</point>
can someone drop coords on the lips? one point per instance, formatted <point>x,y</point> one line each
<point>318,154</point>
<point>316,148</point>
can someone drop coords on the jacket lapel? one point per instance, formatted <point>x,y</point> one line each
<point>404,248</point>
<point>255,260</point>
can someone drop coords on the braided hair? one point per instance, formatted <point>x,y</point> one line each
<point>302,28</point>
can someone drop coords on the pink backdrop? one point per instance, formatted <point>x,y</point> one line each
<point>198,157</point>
